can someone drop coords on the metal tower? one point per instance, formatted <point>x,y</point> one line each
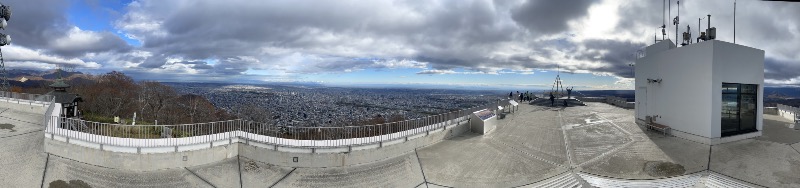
<point>558,88</point>
<point>5,15</point>
<point>4,86</point>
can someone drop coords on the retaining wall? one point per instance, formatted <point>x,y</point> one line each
<point>154,158</point>
<point>789,112</point>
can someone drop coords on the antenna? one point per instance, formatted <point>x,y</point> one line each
<point>663,20</point>
<point>676,21</point>
<point>702,35</point>
<point>734,21</point>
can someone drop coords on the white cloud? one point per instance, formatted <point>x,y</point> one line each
<point>21,56</point>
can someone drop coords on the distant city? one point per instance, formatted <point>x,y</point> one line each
<point>297,105</point>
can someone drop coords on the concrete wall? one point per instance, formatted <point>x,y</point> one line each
<point>620,102</point>
<point>771,110</point>
<point>789,112</point>
<point>591,99</point>
<point>358,154</point>
<point>154,158</point>
<point>686,85</point>
<point>735,63</point>
<point>140,162</point>
<point>35,108</point>
<point>689,97</point>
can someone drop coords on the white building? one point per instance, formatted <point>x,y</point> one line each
<point>710,92</point>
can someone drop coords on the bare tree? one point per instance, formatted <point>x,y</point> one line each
<point>157,97</point>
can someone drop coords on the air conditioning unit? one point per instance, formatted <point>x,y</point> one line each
<point>712,33</point>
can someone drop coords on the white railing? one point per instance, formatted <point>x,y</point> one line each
<point>204,135</point>
<point>789,112</point>
<point>26,98</point>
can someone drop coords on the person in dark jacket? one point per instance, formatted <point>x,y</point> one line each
<point>569,92</point>
<point>552,99</point>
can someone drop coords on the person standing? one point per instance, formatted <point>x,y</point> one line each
<point>569,92</point>
<point>552,99</point>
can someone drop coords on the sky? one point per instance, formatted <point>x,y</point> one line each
<point>467,43</point>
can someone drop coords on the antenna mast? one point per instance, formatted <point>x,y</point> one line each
<point>676,21</point>
<point>557,88</point>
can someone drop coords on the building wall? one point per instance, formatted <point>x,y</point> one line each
<point>685,87</point>
<point>735,63</point>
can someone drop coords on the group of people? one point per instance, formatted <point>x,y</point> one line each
<point>527,96</point>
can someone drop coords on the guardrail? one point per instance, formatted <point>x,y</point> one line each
<point>789,112</point>
<point>226,132</point>
<point>26,98</point>
<point>621,102</point>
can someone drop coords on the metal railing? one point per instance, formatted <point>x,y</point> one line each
<point>202,133</point>
<point>26,98</point>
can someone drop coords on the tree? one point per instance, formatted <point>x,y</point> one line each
<point>157,97</point>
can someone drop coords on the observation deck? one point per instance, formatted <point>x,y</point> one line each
<point>536,146</point>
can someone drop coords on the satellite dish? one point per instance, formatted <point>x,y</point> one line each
<point>5,12</point>
<point>5,39</point>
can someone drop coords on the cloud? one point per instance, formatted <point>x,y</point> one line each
<point>430,72</point>
<point>548,17</point>
<point>291,38</point>
<point>309,37</point>
<point>20,56</point>
<point>41,34</point>
<point>78,42</point>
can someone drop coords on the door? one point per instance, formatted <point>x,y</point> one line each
<point>739,108</point>
<point>641,102</point>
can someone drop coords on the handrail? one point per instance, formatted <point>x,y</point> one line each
<point>31,99</point>
<point>187,134</point>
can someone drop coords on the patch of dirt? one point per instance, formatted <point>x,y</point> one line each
<point>663,169</point>
<point>71,184</point>
<point>251,166</point>
<point>10,127</point>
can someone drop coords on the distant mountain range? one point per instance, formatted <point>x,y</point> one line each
<point>35,78</point>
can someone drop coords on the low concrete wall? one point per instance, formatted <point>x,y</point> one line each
<point>155,158</point>
<point>336,157</point>
<point>621,102</point>
<point>140,162</point>
<point>35,108</point>
<point>788,112</point>
<point>771,110</point>
<point>591,99</point>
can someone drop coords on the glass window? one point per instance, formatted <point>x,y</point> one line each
<point>749,88</point>
<point>730,88</point>
<point>739,108</point>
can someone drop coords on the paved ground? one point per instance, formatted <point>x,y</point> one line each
<point>776,130</point>
<point>536,146</point>
<point>22,158</point>
<point>403,171</point>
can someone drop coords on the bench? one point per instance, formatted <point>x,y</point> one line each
<point>651,125</point>
<point>659,127</point>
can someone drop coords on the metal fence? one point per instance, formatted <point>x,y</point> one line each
<point>187,134</point>
<point>26,98</point>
